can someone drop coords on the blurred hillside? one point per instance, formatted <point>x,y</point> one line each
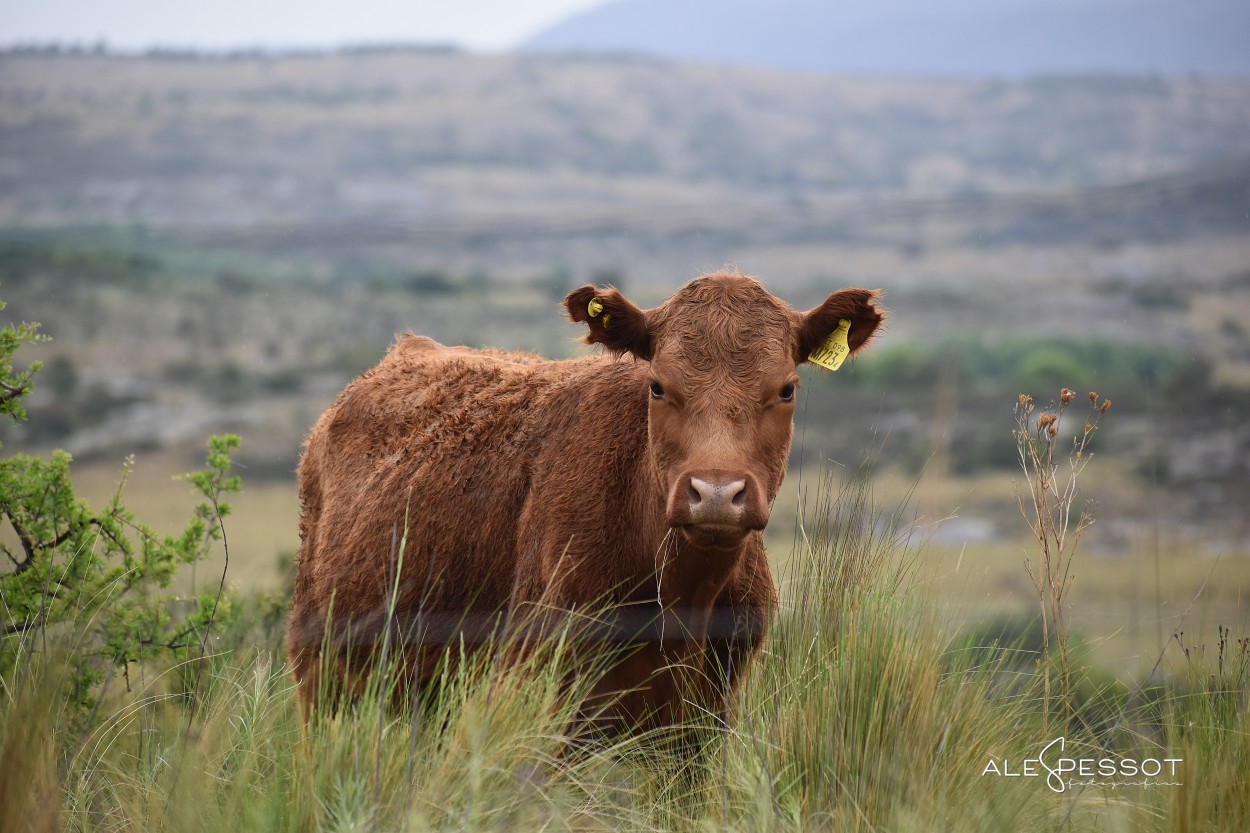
<point>441,144</point>
<point>222,242</point>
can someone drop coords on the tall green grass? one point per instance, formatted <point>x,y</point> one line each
<point>865,712</point>
<point>1207,722</point>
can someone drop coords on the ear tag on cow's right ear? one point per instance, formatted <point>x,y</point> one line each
<point>594,308</point>
<point>834,351</point>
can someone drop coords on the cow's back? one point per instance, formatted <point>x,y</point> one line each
<point>427,449</point>
<point>427,457</point>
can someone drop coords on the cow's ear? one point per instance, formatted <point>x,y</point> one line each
<point>611,320</point>
<point>856,306</point>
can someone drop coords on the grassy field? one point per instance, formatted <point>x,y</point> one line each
<point>867,711</point>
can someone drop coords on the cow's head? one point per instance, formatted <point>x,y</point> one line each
<point>721,388</point>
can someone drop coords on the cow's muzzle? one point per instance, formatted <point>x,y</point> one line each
<point>717,500</point>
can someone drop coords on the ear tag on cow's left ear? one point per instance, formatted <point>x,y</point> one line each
<point>834,351</point>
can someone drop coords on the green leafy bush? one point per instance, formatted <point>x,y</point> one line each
<point>96,579</point>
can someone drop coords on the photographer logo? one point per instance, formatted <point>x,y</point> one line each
<point>1062,772</point>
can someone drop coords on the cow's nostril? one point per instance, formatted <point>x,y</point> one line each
<point>740,496</point>
<point>693,494</point>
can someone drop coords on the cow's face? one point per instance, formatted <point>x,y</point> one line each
<point>721,387</point>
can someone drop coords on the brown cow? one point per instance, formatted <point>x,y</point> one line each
<point>642,477</point>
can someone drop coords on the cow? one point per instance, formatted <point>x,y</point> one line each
<point>447,488</point>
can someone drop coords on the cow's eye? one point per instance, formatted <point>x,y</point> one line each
<point>787,393</point>
<point>657,390</point>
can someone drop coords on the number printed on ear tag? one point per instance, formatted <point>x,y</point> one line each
<point>834,351</point>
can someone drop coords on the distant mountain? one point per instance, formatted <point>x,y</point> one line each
<point>921,37</point>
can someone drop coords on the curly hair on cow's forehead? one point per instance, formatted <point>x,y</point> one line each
<point>723,316</point>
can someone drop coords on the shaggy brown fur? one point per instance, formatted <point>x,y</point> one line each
<point>641,478</point>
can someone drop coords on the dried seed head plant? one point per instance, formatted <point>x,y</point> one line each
<point>1047,500</point>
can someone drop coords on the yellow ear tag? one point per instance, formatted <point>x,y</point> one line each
<point>834,351</point>
<point>607,316</point>
<point>594,308</point>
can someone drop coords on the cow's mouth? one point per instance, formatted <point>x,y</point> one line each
<point>714,535</point>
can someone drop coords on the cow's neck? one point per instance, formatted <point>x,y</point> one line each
<point>689,580</point>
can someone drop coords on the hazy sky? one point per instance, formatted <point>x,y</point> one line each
<point>137,24</point>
